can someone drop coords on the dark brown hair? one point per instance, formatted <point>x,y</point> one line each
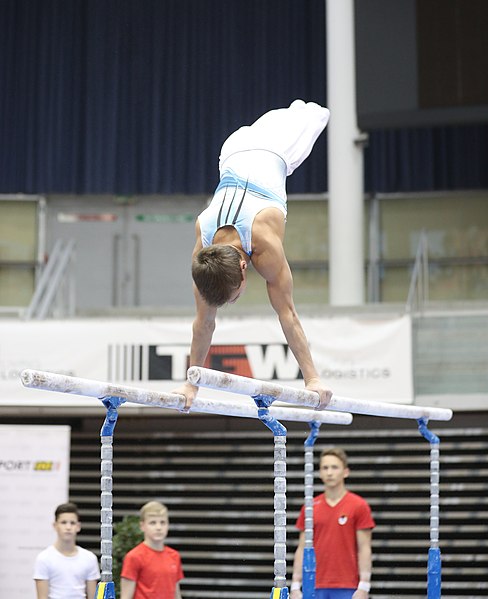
<point>216,270</point>
<point>66,508</point>
<point>338,453</point>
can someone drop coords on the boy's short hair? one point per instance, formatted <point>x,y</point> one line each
<point>153,508</point>
<point>66,508</point>
<point>338,453</point>
<point>216,270</point>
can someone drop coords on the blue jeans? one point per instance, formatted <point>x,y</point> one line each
<point>334,593</point>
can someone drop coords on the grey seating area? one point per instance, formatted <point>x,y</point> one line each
<point>215,475</point>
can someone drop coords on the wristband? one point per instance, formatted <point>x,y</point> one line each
<point>295,586</point>
<point>364,586</point>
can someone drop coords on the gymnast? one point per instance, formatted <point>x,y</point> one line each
<point>245,222</point>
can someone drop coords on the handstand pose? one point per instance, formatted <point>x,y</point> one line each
<point>245,222</point>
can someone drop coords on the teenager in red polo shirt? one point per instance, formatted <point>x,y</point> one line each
<point>342,536</point>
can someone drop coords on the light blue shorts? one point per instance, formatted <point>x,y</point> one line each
<point>334,593</point>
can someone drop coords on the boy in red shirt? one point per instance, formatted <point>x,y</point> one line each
<point>152,570</point>
<point>342,536</point>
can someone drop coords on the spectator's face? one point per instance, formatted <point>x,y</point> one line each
<point>332,471</point>
<point>67,526</point>
<point>155,527</point>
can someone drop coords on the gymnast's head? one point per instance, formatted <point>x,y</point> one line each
<point>219,272</point>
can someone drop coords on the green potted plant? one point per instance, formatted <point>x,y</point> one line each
<point>127,534</point>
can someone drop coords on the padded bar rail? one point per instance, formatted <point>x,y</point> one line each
<point>50,381</point>
<point>223,381</point>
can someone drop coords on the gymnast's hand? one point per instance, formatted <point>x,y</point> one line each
<point>296,594</point>
<point>189,392</point>
<point>324,394</point>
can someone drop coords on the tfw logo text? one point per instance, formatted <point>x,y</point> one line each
<point>170,362</point>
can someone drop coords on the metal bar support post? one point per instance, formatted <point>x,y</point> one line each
<point>309,562</point>
<point>434,567</point>
<point>106,587</point>
<point>279,590</point>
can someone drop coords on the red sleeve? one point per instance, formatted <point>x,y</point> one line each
<point>179,571</point>
<point>364,517</point>
<point>300,523</point>
<point>130,567</point>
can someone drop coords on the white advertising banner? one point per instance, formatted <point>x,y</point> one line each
<point>34,472</point>
<point>360,358</point>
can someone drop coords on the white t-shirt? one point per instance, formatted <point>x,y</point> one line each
<point>67,575</point>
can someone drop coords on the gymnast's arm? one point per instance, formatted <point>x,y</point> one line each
<point>271,263</point>
<point>202,332</point>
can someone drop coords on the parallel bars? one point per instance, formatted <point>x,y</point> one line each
<point>213,379</point>
<point>114,395</point>
<point>50,381</point>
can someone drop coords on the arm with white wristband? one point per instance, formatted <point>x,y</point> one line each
<point>363,538</point>
<point>296,590</point>
<point>364,586</point>
<point>362,592</point>
<point>296,584</point>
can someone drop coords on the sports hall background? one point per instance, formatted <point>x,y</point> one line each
<point>119,108</point>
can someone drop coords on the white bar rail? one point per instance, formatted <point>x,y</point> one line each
<point>50,381</point>
<point>223,381</point>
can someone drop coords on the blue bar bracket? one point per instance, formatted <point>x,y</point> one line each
<point>111,404</point>
<point>277,593</point>
<point>308,573</point>
<point>434,569</point>
<point>425,432</point>
<point>105,590</point>
<point>263,402</point>
<point>314,433</point>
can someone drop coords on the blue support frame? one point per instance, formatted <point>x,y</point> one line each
<point>106,588</point>
<point>279,590</point>
<point>434,567</point>
<point>309,561</point>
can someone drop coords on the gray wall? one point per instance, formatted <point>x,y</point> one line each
<point>139,256</point>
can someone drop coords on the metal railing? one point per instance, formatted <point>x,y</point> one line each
<point>54,295</point>
<point>418,292</point>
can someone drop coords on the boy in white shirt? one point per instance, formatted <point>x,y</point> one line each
<point>64,569</point>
